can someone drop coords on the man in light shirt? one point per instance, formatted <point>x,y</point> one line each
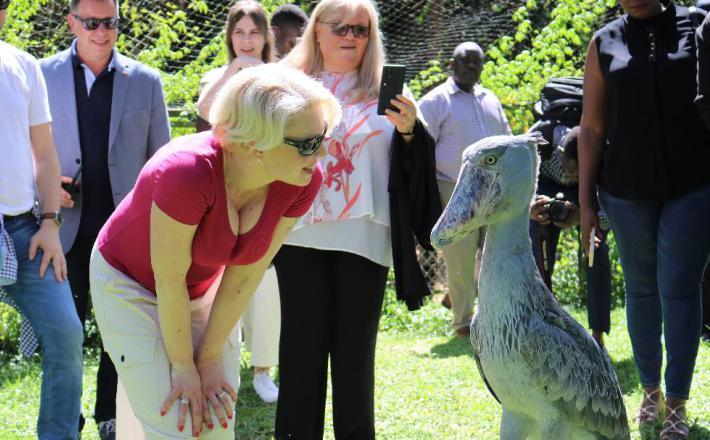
<point>29,171</point>
<point>458,113</point>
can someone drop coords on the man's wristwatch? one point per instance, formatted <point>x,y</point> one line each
<point>56,216</point>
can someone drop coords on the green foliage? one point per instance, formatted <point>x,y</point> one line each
<point>427,79</point>
<point>519,65</point>
<point>160,35</point>
<point>9,329</point>
<point>19,26</point>
<point>569,277</point>
<point>432,319</point>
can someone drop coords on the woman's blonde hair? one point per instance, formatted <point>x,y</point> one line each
<point>257,104</point>
<point>256,12</point>
<point>307,56</point>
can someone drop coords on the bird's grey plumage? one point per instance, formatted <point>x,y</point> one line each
<point>551,378</point>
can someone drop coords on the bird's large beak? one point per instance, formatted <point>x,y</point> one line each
<point>459,216</point>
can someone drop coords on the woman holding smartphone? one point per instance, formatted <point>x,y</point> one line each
<point>333,269</point>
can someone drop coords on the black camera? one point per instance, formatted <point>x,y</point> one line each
<point>558,210</point>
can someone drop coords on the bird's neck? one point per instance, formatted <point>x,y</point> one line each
<point>508,271</point>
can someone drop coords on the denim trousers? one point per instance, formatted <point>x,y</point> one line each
<point>49,307</point>
<point>664,248</point>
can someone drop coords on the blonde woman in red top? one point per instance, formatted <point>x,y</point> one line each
<point>178,261</point>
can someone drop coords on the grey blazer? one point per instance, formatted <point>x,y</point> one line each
<point>139,126</point>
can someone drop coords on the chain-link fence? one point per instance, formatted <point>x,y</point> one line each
<point>415,31</point>
<point>434,269</point>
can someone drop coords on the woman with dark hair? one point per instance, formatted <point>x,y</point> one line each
<point>249,43</point>
<point>644,149</point>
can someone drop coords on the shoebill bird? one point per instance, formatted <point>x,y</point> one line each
<point>551,378</point>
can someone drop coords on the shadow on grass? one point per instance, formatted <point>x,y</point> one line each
<point>454,347</point>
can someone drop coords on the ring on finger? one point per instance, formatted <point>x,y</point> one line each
<point>183,401</point>
<point>223,394</point>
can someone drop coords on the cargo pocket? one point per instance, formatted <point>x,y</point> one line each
<point>136,365</point>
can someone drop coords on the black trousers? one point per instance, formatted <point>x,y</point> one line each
<point>106,377</point>
<point>331,303</point>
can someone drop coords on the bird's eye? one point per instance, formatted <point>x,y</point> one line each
<point>491,160</point>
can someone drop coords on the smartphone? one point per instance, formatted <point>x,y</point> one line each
<point>73,187</point>
<point>391,85</point>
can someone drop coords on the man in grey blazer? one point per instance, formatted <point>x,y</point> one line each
<point>109,117</point>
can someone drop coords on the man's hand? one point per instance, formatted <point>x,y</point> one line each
<point>65,199</point>
<point>572,218</point>
<point>47,239</point>
<point>539,209</point>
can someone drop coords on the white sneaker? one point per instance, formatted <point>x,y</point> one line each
<point>265,388</point>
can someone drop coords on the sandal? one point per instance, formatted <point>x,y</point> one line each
<point>649,411</point>
<point>675,427</point>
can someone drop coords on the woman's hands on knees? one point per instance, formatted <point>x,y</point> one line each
<point>185,384</point>
<point>216,391</point>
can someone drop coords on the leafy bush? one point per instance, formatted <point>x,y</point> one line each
<point>430,320</point>
<point>9,329</point>
<point>427,79</point>
<point>569,278</point>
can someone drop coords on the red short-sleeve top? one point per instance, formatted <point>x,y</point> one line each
<point>185,179</point>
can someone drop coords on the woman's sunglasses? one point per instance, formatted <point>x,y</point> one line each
<point>308,146</point>
<point>341,30</point>
<point>91,24</point>
<point>4,4</point>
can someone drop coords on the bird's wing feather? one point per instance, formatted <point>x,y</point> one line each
<point>476,351</point>
<point>569,366</point>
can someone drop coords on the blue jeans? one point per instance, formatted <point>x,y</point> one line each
<point>664,249</point>
<point>49,307</point>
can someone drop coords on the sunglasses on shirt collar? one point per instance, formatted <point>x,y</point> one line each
<point>307,147</point>
<point>4,4</point>
<point>91,24</point>
<point>341,30</point>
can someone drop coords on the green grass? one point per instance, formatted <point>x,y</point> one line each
<point>427,386</point>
